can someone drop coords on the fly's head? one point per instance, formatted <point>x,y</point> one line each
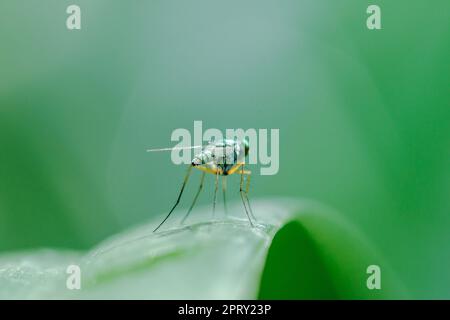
<point>201,158</point>
<point>196,162</point>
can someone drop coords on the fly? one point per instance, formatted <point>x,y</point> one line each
<point>222,158</point>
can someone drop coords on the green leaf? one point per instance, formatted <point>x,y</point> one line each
<point>298,249</point>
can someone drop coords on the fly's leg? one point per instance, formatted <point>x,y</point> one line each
<point>224,180</point>
<point>178,199</point>
<point>247,187</point>
<point>242,192</point>
<point>224,190</point>
<point>215,193</point>
<point>195,198</point>
<point>247,173</point>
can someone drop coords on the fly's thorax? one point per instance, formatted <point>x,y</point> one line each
<point>229,152</point>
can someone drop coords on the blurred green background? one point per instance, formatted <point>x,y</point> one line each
<point>363,115</point>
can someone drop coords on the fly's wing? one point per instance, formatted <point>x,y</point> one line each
<point>210,144</point>
<point>202,157</point>
<point>174,148</point>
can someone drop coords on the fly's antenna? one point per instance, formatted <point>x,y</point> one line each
<point>174,148</point>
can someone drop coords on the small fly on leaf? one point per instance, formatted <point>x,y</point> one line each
<point>221,158</point>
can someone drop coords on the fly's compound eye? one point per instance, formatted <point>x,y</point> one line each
<point>196,162</point>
